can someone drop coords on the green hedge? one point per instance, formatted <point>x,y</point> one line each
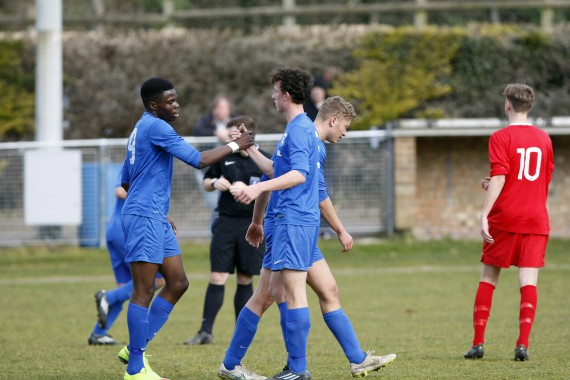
<point>389,73</point>
<point>17,84</point>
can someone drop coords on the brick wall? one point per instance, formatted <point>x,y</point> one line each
<point>405,182</point>
<point>447,195</point>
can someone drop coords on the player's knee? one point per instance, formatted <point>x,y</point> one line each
<point>244,279</point>
<point>142,295</point>
<point>267,302</point>
<point>219,278</point>
<point>180,286</point>
<point>260,302</point>
<point>328,294</point>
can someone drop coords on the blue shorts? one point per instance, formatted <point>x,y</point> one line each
<point>317,255</point>
<point>293,246</point>
<point>116,248</point>
<point>268,258</point>
<point>148,240</point>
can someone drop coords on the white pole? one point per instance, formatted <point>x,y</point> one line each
<point>289,21</point>
<point>49,71</point>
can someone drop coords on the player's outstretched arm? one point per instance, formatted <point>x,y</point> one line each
<point>330,216</point>
<point>286,181</point>
<point>211,156</point>
<point>263,163</point>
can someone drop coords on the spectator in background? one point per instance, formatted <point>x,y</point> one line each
<point>319,92</point>
<point>213,124</point>
<point>316,99</point>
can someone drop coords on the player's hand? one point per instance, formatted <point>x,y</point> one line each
<point>254,234</point>
<point>485,231</point>
<point>173,225</point>
<point>248,194</point>
<point>237,187</point>
<point>235,134</point>
<point>222,184</point>
<point>485,183</point>
<point>245,140</point>
<point>345,240</point>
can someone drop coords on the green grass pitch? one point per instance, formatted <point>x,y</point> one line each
<point>406,297</point>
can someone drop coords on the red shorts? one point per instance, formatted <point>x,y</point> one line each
<point>509,248</point>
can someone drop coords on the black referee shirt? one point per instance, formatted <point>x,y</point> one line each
<point>235,167</point>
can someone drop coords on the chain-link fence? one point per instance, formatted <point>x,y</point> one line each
<point>40,203</point>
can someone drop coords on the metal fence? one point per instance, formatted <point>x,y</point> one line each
<point>358,173</point>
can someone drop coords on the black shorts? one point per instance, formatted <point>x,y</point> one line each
<point>229,250</point>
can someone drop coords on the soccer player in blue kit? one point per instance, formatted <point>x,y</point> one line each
<point>334,118</point>
<point>295,190</point>
<point>296,212</point>
<point>110,303</point>
<point>151,244</point>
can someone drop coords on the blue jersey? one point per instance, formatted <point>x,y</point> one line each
<point>298,150</point>
<point>114,231</point>
<point>148,166</point>
<point>322,183</point>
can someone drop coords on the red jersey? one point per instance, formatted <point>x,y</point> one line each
<point>523,154</point>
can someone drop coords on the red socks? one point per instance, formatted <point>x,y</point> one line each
<point>481,311</point>
<point>527,313</point>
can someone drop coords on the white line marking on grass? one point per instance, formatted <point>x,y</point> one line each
<point>76,279</point>
<point>347,271</point>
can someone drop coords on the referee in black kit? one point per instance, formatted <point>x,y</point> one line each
<point>229,251</point>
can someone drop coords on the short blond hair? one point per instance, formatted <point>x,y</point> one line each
<point>336,106</point>
<point>520,96</point>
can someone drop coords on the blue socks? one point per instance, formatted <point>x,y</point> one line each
<point>137,321</point>
<point>112,316</point>
<point>298,326</point>
<point>120,294</point>
<point>246,327</point>
<point>143,325</point>
<point>342,329</point>
<point>160,310</point>
<point>115,299</point>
